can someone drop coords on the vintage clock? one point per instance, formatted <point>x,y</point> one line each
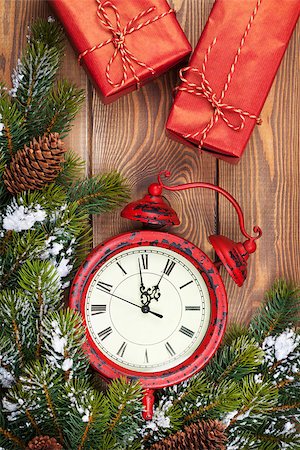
<point>153,304</point>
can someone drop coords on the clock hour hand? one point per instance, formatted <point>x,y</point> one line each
<point>141,277</point>
<point>144,308</point>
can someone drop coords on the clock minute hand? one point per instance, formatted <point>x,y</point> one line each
<point>134,304</point>
<point>157,285</point>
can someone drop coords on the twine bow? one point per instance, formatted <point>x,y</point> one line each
<point>118,40</point>
<point>204,89</point>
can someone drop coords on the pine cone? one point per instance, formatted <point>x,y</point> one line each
<point>208,435</point>
<point>36,165</point>
<point>43,443</point>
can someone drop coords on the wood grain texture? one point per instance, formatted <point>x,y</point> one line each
<point>129,136</point>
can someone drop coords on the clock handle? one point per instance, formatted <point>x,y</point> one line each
<point>148,403</point>
<point>182,187</point>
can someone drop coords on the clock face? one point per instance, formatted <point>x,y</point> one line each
<point>147,309</point>
<point>154,307</point>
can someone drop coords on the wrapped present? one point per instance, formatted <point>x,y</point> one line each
<point>123,43</point>
<point>230,73</point>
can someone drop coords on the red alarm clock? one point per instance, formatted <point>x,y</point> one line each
<point>153,304</point>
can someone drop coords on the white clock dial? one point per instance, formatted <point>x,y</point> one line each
<point>155,331</point>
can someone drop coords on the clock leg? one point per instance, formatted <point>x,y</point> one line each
<point>148,402</point>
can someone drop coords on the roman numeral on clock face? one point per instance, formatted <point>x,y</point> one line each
<point>186,331</point>
<point>145,261</point>
<point>105,287</point>
<point>105,333</point>
<point>146,356</point>
<point>192,308</point>
<point>170,349</point>
<point>169,267</point>
<point>122,349</point>
<point>98,309</point>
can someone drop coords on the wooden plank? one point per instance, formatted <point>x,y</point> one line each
<point>266,183</point>
<point>15,18</point>
<point>129,136</point>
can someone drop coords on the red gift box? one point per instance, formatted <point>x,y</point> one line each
<point>123,44</point>
<point>230,74</point>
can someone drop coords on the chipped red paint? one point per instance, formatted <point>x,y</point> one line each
<point>152,209</point>
<point>109,369</point>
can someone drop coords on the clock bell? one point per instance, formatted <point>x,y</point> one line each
<point>154,212</point>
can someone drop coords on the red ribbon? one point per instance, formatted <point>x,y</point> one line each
<point>119,34</point>
<point>204,89</point>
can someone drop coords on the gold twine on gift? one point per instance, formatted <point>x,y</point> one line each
<point>119,34</point>
<point>205,90</point>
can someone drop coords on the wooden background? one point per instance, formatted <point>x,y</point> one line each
<point>129,136</point>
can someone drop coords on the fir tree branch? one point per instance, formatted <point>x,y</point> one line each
<point>86,432</point>
<point>277,439</point>
<point>117,417</point>
<point>73,168</point>
<point>236,360</point>
<point>50,34</point>
<point>5,240</point>
<point>34,77</point>
<point>40,308</point>
<point>285,407</point>
<point>287,381</point>
<point>15,313</point>
<point>87,413</point>
<point>263,433</point>
<point>11,437</point>
<point>41,280</point>
<point>255,397</point>
<point>53,412</point>
<point>281,309</point>
<point>220,398</point>
<point>100,193</point>
<point>63,103</point>
<point>33,421</point>
<point>18,342</point>
<point>67,327</point>
<point>21,247</point>
<point>195,387</point>
<point>202,410</point>
<point>124,400</point>
<point>13,132</point>
<point>8,135</point>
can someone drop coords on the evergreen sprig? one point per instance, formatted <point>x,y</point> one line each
<point>73,169</point>
<point>236,360</point>
<point>50,33</point>
<point>264,434</point>
<point>280,311</point>
<point>100,193</point>
<point>63,337</point>
<point>87,413</point>
<point>17,316</point>
<point>63,104</point>
<point>13,131</point>
<point>34,77</point>
<point>125,409</point>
